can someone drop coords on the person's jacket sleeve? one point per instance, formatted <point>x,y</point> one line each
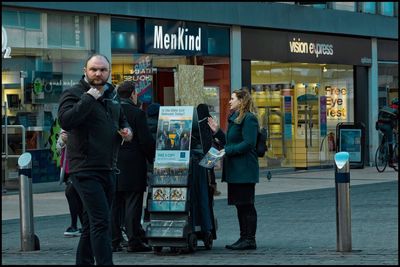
<point>123,121</point>
<point>74,110</point>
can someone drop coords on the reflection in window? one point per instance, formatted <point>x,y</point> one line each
<point>69,31</point>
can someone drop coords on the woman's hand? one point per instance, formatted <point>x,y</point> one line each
<point>213,124</point>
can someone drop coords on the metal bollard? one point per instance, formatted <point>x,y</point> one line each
<point>29,241</point>
<point>343,211</point>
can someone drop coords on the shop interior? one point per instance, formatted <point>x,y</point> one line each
<point>300,105</point>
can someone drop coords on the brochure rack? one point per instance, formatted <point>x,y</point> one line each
<point>178,188</point>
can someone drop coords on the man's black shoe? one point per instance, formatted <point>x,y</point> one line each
<point>124,243</point>
<point>139,248</point>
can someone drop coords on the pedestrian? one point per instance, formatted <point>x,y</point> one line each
<point>132,179</point>
<point>73,199</point>
<point>240,164</point>
<point>96,125</point>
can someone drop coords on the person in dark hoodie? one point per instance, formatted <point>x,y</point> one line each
<point>132,179</point>
<point>96,126</point>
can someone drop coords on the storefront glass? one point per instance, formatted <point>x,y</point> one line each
<point>388,83</point>
<point>43,54</point>
<point>155,78</point>
<point>300,105</point>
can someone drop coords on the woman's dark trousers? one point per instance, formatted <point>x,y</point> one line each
<point>74,204</point>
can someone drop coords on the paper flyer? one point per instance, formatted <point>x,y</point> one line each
<point>211,158</point>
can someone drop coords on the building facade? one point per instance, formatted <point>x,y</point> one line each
<point>308,66</point>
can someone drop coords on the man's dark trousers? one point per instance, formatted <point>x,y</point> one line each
<point>131,204</point>
<point>96,189</point>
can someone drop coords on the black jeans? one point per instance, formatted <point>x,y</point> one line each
<point>96,189</point>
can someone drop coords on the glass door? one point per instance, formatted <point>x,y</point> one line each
<point>307,124</point>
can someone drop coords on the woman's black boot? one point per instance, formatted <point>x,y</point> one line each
<point>243,229</point>
<point>250,241</point>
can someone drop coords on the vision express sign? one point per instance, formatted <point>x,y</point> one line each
<point>303,47</point>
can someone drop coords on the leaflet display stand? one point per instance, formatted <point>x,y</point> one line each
<point>178,216</point>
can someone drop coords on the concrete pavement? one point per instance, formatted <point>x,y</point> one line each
<point>47,202</point>
<point>296,224</point>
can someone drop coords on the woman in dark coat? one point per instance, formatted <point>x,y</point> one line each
<point>240,164</point>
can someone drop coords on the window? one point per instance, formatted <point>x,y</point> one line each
<point>69,30</point>
<point>386,8</point>
<point>218,41</point>
<point>124,34</point>
<point>321,5</point>
<point>368,7</point>
<point>21,19</point>
<point>347,6</point>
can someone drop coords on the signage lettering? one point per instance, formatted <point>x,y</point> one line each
<point>336,102</point>
<point>176,41</point>
<point>300,47</point>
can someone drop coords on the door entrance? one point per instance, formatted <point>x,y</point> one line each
<point>307,125</point>
<point>163,82</point>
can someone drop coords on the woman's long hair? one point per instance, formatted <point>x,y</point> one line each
<point>246,104</point>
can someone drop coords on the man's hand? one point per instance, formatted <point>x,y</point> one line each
<point>126,134</point>
<point>94,92</point>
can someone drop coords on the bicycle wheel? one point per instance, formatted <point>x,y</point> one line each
<point>381,157</point>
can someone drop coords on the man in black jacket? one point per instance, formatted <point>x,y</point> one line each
<point>95,121</point>
<point>132,179</point>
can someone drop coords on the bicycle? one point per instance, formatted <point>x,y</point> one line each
<point>382,154</point>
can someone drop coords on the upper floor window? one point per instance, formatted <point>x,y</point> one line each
<point>347,6</point>
<point>321,5</point>
<point>21,19</point>
<point>386,8</point>
<point>368,7</point>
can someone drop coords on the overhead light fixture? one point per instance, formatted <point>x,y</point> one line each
<point>324,69</point>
